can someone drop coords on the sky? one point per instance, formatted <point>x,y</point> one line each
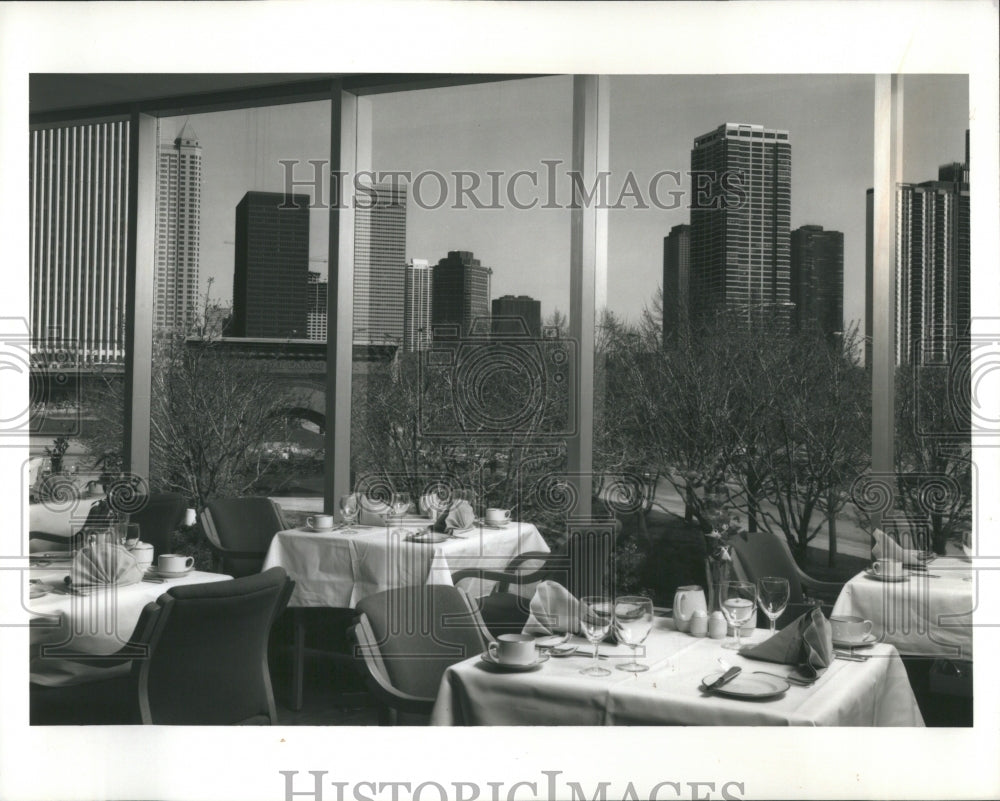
<point>517,125</point>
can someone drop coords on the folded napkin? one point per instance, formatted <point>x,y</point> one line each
<point>806,640</point>
<point>553,610</point>
<point>457,517</point>
<point>887,548</point>
<point>104,564</point>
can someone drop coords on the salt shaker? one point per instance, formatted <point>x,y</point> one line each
<point>699,623</point>
<point>717,626</point>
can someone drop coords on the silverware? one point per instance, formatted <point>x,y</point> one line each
<point>850,656</point>
<point>152,580</point>
<point>725,678</point>
<point>790,678</point>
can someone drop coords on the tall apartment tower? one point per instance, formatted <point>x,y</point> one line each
<point>78,192</point>
<point>417,305</point>
<point>516,315</point>
<point>676,280</point>
<point>461,294</point>
<point>271,279</point>
<point>178,231</point>
<point>380,265</point>
<point>933,266</point>
<point>316,325</point>
<point>740,223</point>
<point>817,279</point>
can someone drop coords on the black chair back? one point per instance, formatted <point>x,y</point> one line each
<point>208,652</point>
<point>159,518</point>
<point>241,530</point>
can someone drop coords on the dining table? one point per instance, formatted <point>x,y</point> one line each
<point>94,623</point>
<point>925,612</point>
<point>339,567</point>
<point>867,688</point>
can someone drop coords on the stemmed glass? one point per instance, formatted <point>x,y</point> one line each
<point>127,534</point>
<point>349,508</point>
<point>399,504</point>
<point>633,622</point>
<point>772,595</point>
<point>597,613</point>
<point>739,605</point>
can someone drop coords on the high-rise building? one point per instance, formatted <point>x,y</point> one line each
<point>933,266</point>
<point>460,295</point>
<point>78,193</point>
<point>316,327</point>
<point>740,223</point>
<point>817,279</point>
<point>379,265</point>
<point>178,231</point>
<point>516,315</point>
<point>417,305</point>
<point>271,279</point>
<point>676,280</point>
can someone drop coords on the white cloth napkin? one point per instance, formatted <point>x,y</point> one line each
<point>553,610</point>
<point>460,517</point>
<point>887,548</point>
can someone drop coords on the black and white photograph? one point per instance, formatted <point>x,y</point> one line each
<point>489,401</point>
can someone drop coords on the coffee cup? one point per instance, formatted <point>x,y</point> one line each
<point>143,554</point>
<point>888,568</point>
<point>514,649</point>
<point>320,522</point>
<point>847,628</point>
<point>174,563</point>
<point>497,517</point>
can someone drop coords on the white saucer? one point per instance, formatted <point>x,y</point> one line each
<point>864,642</point>
<point>494,525</point>
<point>429,537</point>
<point>876,577</point>
<point>487,657</point>
<point>155,572</point>
<point>320,530</point>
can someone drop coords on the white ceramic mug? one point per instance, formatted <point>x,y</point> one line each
<point>686,600</point>
<point>514,649</point>
<point>143,554</point>
<point>847,628</point>
<point>174,563</point>
<point>320,522</point>
<point>498,517</point>
<point>889,568</point>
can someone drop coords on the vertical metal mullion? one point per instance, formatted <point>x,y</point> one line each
<point>588,271</point>
<point>887,174</point>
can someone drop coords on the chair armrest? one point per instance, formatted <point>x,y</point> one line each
<point>819,589</point>
<point>509,574</point>
<point>376,679</point>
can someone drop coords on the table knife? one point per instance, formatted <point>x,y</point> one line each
<point>725,678</point>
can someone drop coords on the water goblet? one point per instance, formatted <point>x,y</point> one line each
<point>772,595</point>
<point>399,504</point>
<point>126,534</point>
<point>349,508</point>
<point>597,613</point>
<point>739,604</point>
<point>633,622</point>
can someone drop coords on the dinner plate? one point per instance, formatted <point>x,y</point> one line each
<point>876,577</point>
<point>748,686</point>
<point>487,657</point>
<point>864,642</point>
<point>155,572</point>
<point>37,591</point>
<point>428,537</point>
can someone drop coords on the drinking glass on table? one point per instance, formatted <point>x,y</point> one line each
<point>772,595</point>
<point>127,534</point>
<point>349,508</point>
<point>399,504</point>
<point>597,613</point>
<point>739,605</point>
<point>633,622</point>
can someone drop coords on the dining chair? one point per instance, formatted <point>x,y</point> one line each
<point>765,554</point>
<point>407,637</point>
<point>159,518</point>
<point>197,656</point>
<point>239,532</point>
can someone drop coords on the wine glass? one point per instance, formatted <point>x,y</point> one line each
<point>772,595</point>
<point>399,504</point>
<point>633,622</point>
<point>349,508</point>
<point>597,612</point>
<point>739,605</point>
<point>127,534</point>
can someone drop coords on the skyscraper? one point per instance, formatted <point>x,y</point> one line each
<point>676,280</point>
<point>271,279</point>
<point>178,231</point>
<point>518,315</point>
<point>78,192</point>
<point>379,264</point>
<point>817,279</point>
<point>417,305</point>
<point>933,266</point>
<point>461,294</point>
<point>316,322</point>
<point>740,220</point>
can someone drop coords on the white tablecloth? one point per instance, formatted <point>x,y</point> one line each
<point>339,568</point>
<point>925,615</point>
<point>871,693</point>
<point>98,623</point>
